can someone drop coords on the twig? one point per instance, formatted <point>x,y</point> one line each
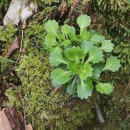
<point>99,114</point>
<point>23,106</point>
<point>21,47</point>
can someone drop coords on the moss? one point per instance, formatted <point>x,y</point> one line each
<point>7,35</point>
<point>116,15</point>
<point>44,106</point>
<point>45,1</point>
<point>4,4</point>
<point>3,8</point>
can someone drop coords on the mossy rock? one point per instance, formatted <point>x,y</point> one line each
<point>47,108</point>
<point>44,107</point>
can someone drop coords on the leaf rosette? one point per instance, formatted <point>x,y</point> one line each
<point>78,59</point>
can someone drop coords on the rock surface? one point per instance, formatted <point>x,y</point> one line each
<point>19,10</point>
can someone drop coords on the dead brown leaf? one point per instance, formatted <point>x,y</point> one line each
<point>21,117</point>
<point>14,46</point>
<point>9,120</point>
<point>14,120</point>
<point>29,127</point>
<point>4,122</point>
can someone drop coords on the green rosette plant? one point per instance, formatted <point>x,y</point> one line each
<point>78,57</point>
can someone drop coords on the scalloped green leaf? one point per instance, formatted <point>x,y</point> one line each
<point>86,46</point>
<point>107,46</point>
<point>72,30</point>
<point>97,70</point>
<point>83,21</point>
<point>84,35</point>
<point>85,89</point>
<point>71,88</point>
<point>75,67</point>
<point>60,76</point>
<point>65,29</point>
<point>56,59</point>
<point>56,85</point>
<point>55,49</point>
<point>51,26</point>
<point>86,72</point>
<point>50,40</point>
<point>74,54</point>
<point>104,88</point>
<point>72,34</point>
<point>97,38</point>
<point>96,73</point>
<point>95,55</point>
<point>66,43</point>
<point>61,37</point>
<point>112,64</point>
